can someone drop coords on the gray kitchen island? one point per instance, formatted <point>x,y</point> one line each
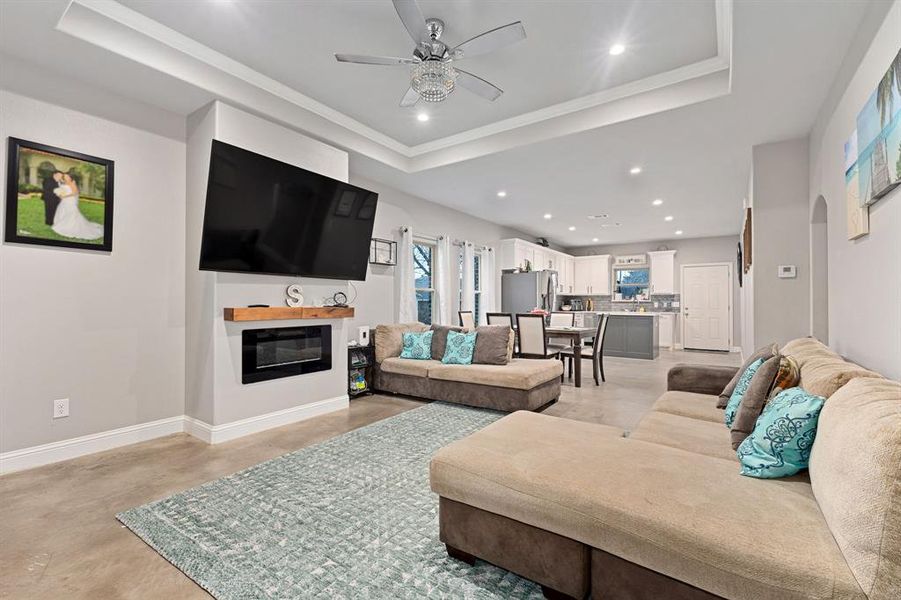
<point>632,335</point>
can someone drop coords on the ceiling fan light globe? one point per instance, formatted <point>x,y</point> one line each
<point>433,80</point>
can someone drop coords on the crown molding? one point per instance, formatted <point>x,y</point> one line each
<point>128,33</point>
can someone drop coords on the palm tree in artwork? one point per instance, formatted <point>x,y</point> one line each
<point>884,98</point>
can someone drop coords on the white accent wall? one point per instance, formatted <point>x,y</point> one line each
<point>864,275</point>
<point>215,394</point>
<point>104,329</point>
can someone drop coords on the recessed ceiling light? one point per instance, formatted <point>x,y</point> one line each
<point>572,228</point>
<point>502,194</point>
<point>548,215</point>
<point>657,202</point>
<point>678,232</point>
<point>422,117</point>
<point>617,49</point>
<point>668,218</point>
<point>635,170</point>
<point>594,239</point>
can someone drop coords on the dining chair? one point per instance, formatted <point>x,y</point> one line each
<point>533,337</point>
<point>597,352</point>
<point>499,319</point>
<point>561,319</point>
<point>466,319</point>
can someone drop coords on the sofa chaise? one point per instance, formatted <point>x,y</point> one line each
<point>664,513</point>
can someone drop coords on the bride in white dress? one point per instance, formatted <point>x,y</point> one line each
<point>68,220</point>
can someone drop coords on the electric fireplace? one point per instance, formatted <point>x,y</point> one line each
<point>284,352</point>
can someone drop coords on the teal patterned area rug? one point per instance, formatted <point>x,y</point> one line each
<point>352,517</point>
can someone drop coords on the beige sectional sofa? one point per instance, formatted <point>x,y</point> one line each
<point>521,384</point>
<point>662,512</point>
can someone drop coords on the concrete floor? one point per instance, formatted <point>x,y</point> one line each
<point>59,537</point>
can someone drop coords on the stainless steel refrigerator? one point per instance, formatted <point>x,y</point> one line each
<point>523,292</point>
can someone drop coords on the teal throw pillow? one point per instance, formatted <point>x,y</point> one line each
<point>417,345</point>
<point>460,347</point>
<point>782,439</point>
<point>740,388</point>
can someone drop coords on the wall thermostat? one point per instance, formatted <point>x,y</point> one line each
<point>294,295</point>
<point>788,271</point>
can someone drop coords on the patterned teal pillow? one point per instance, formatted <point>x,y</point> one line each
<point>781,441</point>
<point>460,347</point>
<point>417,345</point>
<point>740,388</point>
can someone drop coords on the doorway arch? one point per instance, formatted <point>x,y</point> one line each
<point>819,270</point>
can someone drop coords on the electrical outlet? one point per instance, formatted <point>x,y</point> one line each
<point>60,408</point>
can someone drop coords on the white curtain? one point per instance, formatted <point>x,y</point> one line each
<point>406,285</point>
<point>489,281</point>
<point>442,281</point>
<point>468,291</point>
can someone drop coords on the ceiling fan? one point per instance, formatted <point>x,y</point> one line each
<point>433,75</point>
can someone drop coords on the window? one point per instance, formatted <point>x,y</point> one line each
<point>423,269</point>
<point>476,285</point>
<point>631,284</point>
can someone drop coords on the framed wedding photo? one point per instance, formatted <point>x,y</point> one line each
<point>57,197</point>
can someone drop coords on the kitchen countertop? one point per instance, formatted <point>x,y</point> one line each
<point>623,313</point>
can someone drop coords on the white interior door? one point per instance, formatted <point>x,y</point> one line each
<point>706,311</point>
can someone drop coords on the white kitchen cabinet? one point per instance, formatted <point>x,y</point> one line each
<point>592,275</point>
<point>662,265</point>
<point>566,274</point>
<point>666,330</point>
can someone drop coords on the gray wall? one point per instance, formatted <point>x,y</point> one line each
<point>781,237</point>
<point>105,330</point>
<point>688,251</point>
<point>864,275</point>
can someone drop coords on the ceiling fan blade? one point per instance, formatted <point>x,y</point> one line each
<point>410,98</point>
<point>478,86</point>
<point>362,59</point>
<point>411,16</point>
<point>492,40</point>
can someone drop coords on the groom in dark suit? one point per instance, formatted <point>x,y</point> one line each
<point>51,200</point>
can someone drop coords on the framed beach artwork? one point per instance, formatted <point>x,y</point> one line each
<point>57,197</point>
<point>879,138</point>
<point>858,216</point>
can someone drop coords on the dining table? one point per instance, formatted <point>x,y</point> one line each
<point>574,335</point>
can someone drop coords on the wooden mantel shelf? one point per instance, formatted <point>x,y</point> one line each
<point>277,313</point>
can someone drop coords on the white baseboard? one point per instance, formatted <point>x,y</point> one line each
<point>735,349</point>
<point>216,434</point>
<point>36,456</point>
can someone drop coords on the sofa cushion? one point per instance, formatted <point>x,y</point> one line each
<point>439,339</point>
<point>806,348</point>
<point>704,437</point>
<point>417,345</point>
<point>687,404</point>
<point>744,383</point>
<point>389,339</point>
<point>764,353</point>
<point>779,445</point>
<point>492,344</point>
<point>688,516</point>
<point>855,470</point>
<point>824,376</point>
<point>408,366</point>
<point>519,373</point>
<point>753,399</point>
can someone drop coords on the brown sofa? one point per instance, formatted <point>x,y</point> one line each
<point>521,384</point>
<point>663,512</point>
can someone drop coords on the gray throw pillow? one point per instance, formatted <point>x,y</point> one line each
<point>439,340</point>
<point>754,399</point>
<point>765,353</point>
<point>492,343</point>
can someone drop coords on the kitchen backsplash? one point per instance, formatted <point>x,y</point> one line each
<point>657,303</point>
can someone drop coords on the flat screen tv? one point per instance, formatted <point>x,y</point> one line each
<point>266,216</point>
